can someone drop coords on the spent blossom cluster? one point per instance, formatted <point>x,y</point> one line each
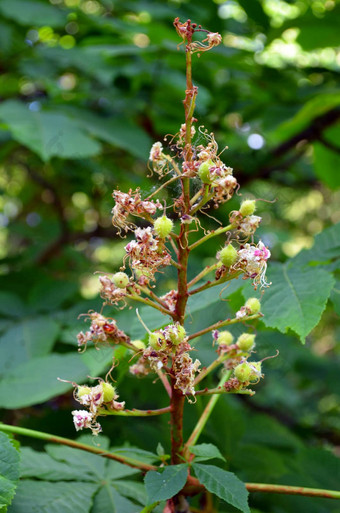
<point>192,166</point>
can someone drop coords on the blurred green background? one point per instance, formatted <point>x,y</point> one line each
<point>86,87</point>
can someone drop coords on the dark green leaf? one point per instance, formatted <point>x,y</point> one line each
<point>204,452</point>
<point>29,12</point>
<point>164,485</point>
<point>223,484</point>
<point>36,381</point>
<point>47,133</point>
<point>9,470</point>
<point>325,162</point>
<point>26,340</point>
<point>11,305</point>
<point>296,298</point>
<point>109,499</point>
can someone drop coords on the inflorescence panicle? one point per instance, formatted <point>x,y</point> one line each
<point>162,228</point>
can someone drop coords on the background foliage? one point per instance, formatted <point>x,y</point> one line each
<point>86,87</point>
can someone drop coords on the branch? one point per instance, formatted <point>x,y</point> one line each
<point>311,133</point>
<point>193,487</point>
<point>205,415</point>
<point>219,390</point>
<point>210,284</point>
<point>148,302</point>
<point>134,412</point>
<point>293,490</point>
<point>223,229</point>
<point>221,324</point>
<point>329,144</point>
<point>131,462</point>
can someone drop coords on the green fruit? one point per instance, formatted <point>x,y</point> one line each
<point>177,333</point>
<point>138,344</point>
<point>204,171</point>
<point>256,371</point>
<point>245,342</point>
<point>83,390</point>
<point>157,341</point>
<point>225,338</point>
<point>121,280</point>
<point>247,208</point>
<point>109,392</point>
<point>253,305</point>
<point>243,372</point>
<point>228,255</point>
<point>163,226</point>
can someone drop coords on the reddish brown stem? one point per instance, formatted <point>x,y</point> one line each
<point>177,398</point>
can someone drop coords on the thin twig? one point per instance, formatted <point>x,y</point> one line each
<point>221,324</point>
<point>134,412</point>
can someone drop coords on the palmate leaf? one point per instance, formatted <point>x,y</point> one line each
<point>109,499</point>
<point>223,484</point>
<point>9,471</point>
<point>99,478</point>
<point>164,485</point>
<point>66,497</point>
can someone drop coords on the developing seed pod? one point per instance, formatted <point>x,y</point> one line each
<point>256,371</point>
<point>83,390</point>
<point>121,280</point>
<point>247,208</point>
<point>177,334</point>
<point>253,305</point>
<point>204,171</point>
<point>109,392</point>
<point>162,227</point>
<point>225,338</point>
<point>228,255</point>
<point>138,344</point>
<point>246,342</point>
<point>157,341</point>
<point>243,372</point>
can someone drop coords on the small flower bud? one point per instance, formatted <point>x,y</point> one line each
<point>243,372</point>
<point>109,392</point>
<point>163,226</point>
<point>246,342</point>
<point>177,334</point>
<point>225,338</point>
<point>247,208</point>
<point>204,171</point>
<point>228,255</point>
<point>138,344</point>
<point>256,371</point>
<point>253,305</point>
<point>157,341</point>
<point>83,390</point>
<point>121,280</point>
